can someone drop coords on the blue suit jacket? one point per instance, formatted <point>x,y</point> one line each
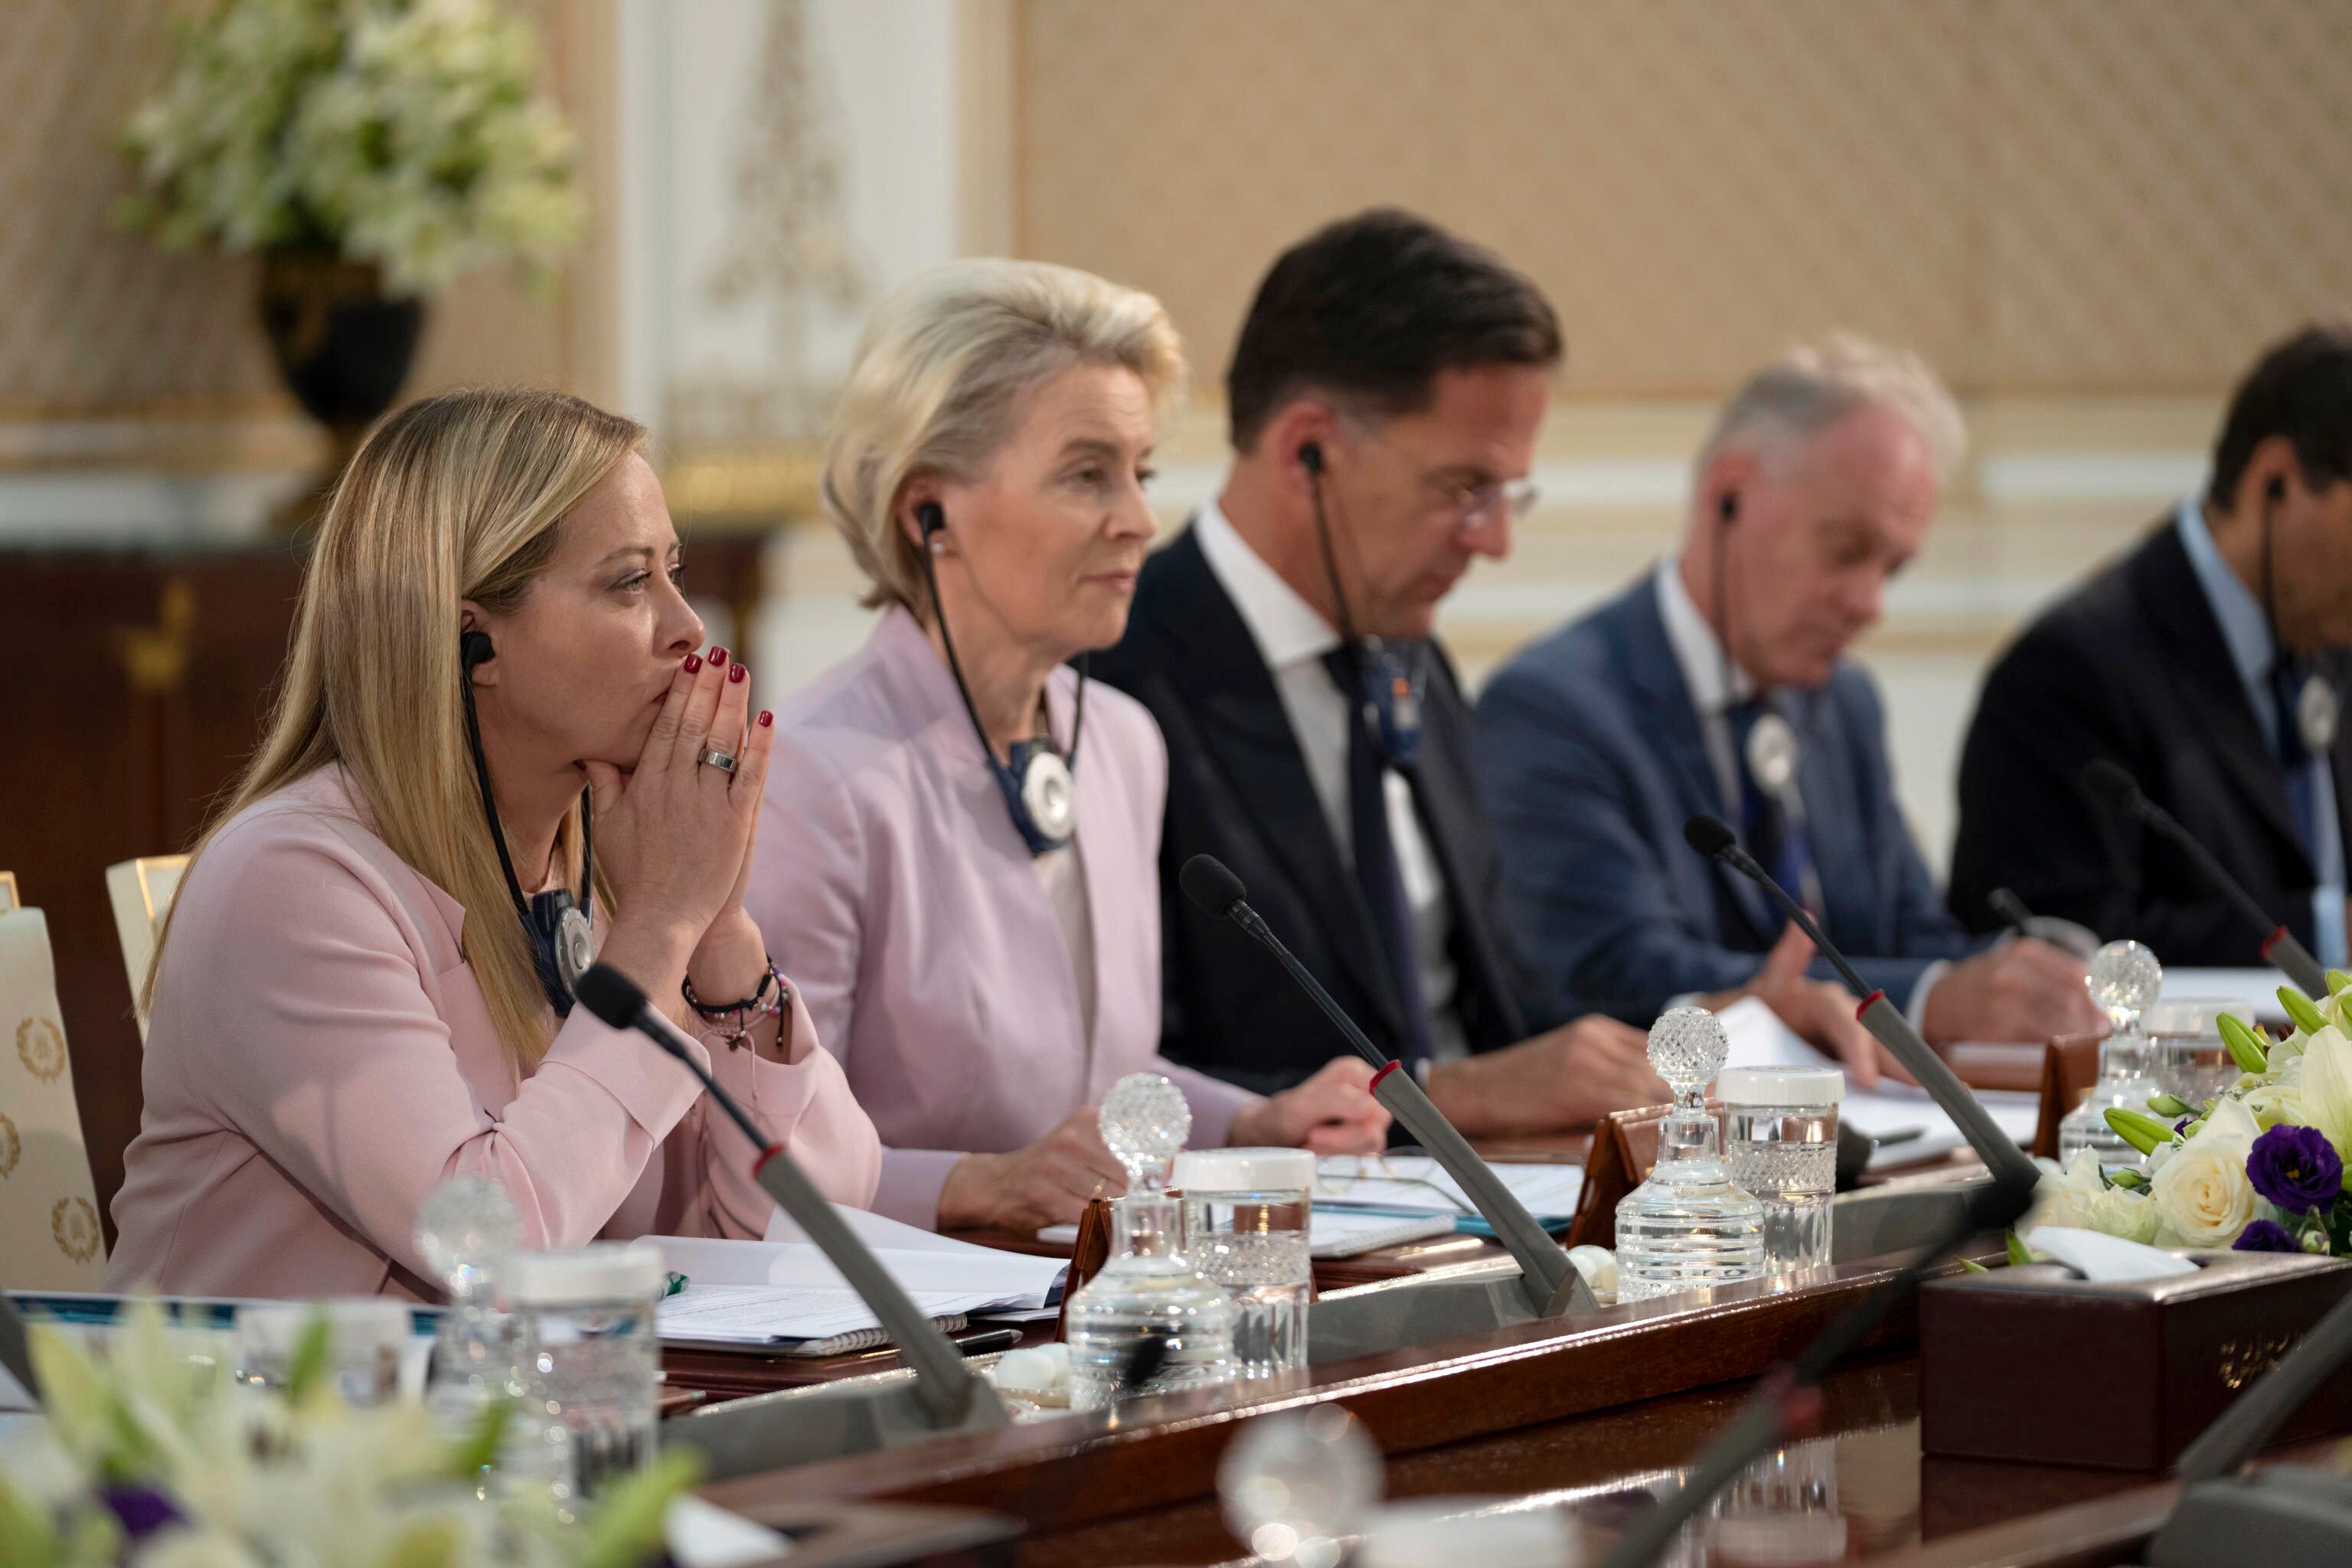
<point>1591,757</point>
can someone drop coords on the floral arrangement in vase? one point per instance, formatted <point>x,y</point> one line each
<point>370,151</point>
<point>155,1454</point>
<point>2259,1167</point>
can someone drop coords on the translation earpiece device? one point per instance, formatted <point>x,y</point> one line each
<point>1310,457</point>
<point>1039,788</point>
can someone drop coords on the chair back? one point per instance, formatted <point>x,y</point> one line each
<point>141,891</point>
<point>10,898</point>
<point>49,1233</point>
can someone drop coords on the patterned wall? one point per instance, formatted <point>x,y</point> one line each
<point>2044,195</point>
<point>102,324</point>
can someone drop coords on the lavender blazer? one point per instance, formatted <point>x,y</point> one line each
<point>320,1060</point>
<point>891,883</point>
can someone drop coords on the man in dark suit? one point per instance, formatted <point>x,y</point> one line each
<point>2210,662</point>
<point>1385,398</point>
<point>1718,683</point>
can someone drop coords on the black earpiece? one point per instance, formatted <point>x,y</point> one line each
<point>1727,509</point>
<point>1310,457</point>
<point>930,518</point>
<point>2275,491</point>
<point>473,648</point>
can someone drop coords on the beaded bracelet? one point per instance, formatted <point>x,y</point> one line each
<point>767,1002</point>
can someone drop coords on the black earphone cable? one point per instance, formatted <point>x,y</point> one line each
<point>931,520</point>
<point>474,648</point>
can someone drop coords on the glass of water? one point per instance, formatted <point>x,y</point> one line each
<point>1245,1227</point>
<point>364,1338</point>
<point>2190,1060</point>
<point>588,1361</point>
<point>1779,1139</point>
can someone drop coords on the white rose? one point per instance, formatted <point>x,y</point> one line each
<point>2068,1197</point>
<point>2328,1086</point>
<point>2124,1213</point>
<point>2202,1193</point>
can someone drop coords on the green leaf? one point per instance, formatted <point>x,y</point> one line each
<point>2299,1008</point>
<point>480,1448</point>
<point>2133,1179</point>
<point>2018,1254</point>
<point>627,1529</point>
<point>2245,1047</point>
<point>306,1369</point>
<point>2168,1105</point>
<point>1970,1266</point>
<point>26,1535</point>
<point>2145,1134</point>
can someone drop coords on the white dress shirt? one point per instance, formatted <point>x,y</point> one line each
<point>1292,639</point>
<point>2247,631</point>
<point>1699,652</point>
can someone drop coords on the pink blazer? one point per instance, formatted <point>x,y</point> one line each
<point>890,882</point>
<point>320,1060</point>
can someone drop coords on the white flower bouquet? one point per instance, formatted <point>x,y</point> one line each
<point>155,1456</point>
<point>2260,1167</point>
<point>408,133</point>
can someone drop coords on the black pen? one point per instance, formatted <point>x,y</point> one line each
<point>2011,910</point>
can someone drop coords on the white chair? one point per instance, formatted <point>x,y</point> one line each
<point>49,1233</point>
<point>141,892</point>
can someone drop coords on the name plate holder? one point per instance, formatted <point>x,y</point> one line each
<point>2030,1363</point>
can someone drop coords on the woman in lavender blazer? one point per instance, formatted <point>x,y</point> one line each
<point>363,988</point>
<point>960,871</point>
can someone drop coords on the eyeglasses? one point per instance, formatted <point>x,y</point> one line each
<point>1474,507</point>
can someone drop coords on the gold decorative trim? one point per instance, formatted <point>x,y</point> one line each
<point>74,1223</point>
<point>41,1045</point>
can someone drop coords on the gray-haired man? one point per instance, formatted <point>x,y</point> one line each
<point>1718,683</point>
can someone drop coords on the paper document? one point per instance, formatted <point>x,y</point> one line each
<point>1418,1184</point>
<point>1330,1233</point>
<point>752,1292</point>
<point>2225,985</point>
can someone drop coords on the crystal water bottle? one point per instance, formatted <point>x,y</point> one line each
<point>1149,1323</point>
<point>2123,980</point>
<point>466,1228</point>
<point>1688,1226</point>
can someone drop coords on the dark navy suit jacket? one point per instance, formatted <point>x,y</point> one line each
<point>1238,788</point>
<point>1591,757</point>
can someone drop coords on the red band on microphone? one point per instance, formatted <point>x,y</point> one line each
<point>766,1154</point>
<point>1393,1065</point>
<point>2273,940</point>
<point>1866,1001</point>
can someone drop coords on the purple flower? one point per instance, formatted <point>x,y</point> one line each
<point>143,1510</point>
<point>2295,1168</point>
<point>2265,1235</point>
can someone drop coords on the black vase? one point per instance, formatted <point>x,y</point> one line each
<point>343,348</point>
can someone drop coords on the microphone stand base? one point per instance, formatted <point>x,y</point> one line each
<point>822,1421</point>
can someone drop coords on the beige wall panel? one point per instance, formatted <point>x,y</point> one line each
<point>2168,186</point>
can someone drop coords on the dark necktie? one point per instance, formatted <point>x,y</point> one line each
<point>1377,871</point>
<point>1778,843</point>
<point>2286,691</point>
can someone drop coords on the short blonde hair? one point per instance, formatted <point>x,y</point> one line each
<point>939,380</point>
<point>1814,385</point>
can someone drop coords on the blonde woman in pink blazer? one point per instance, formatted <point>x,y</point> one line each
<point>960,871</point>
<point>363,988</point>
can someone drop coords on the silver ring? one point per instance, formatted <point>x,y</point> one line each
<point>712,756</point>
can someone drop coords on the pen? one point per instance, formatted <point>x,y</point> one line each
<point>2011,910</point>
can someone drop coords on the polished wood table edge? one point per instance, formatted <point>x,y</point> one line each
<point>1053,1473</point>
<point>2097,1535</point>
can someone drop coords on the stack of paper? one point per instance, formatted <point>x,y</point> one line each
<point>1330,1233</point>
<point>1907,1125</point>
<point>784,1290</point>
<point>1411,1185</point>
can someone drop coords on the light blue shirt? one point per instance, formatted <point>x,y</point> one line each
<point>2246,631</point>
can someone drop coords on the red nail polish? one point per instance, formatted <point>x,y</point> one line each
<point>766,718</point>
<point>736,673</point>
<point>693,663</point>
<point>717,656</point>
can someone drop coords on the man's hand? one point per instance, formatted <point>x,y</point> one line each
<point>1572,1077</point>
<point>2022,990</point>
<point>1821,1013</point>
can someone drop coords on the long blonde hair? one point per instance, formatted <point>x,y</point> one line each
<point>456,497</point>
